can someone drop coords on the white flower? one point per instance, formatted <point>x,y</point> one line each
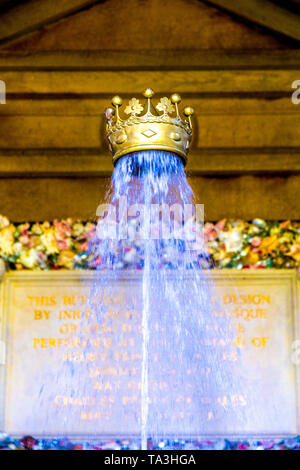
<point>17,247</point>
<point>233,240</point>
<point>29,258</point>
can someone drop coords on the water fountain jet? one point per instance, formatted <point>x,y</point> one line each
<point>149,154</point>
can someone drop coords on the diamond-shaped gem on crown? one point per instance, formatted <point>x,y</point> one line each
<point>148,133</point>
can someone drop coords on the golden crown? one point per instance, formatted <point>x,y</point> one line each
<point>146,129</point>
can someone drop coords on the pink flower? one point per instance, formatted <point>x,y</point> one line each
<point>221,224</point>
<point>82,247</point>
<point>26,240</point>
<point>63,227</point>
<point>242,446</point>
<point>210,232</point>
<point>91,232</point>
<point>255,241</point>
<point>62,244</point>
<point>98,261</point>
<point>285,224</point>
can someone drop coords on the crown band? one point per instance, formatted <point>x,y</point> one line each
<point>145,129</point>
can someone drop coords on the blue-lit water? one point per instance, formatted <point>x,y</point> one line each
<point>141,350</point>
<point>181,374</point>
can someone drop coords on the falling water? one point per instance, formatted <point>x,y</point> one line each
<point>152,356</point>
<point>146,357</point>
<point>145,336</point>
<point>180,365</point>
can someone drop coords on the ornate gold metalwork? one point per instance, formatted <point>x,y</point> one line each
<point>134,107</point>
<point>165,106</point>
<point>146,129</point>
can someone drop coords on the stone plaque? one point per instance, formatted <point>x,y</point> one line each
<point>52,383</point>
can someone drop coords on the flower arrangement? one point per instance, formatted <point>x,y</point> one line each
<point>55,245</point>
<point>255,244</point>
<point>63,244</point>
<point>30,443</point>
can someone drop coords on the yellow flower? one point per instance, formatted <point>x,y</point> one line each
<point>4,222</point>
<point>45,225</point>
<point>7,240</point>
<point>250,258</point>
<point>66,259</point>
<point>36,229</point>
<point>225,261</point>
<point>275,231</point>
<point>287,237</point>
<point>220,255</point>
<point>77,229</point>
<point>17,247</point>
<point>48,241</point>
<point>268,245</point>
<point>29,258</point>
<point>295,252</point>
